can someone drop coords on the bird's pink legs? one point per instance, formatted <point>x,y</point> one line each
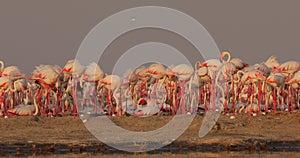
<point>233,96</point>
<point>259,96</point>
<point>226,97</point>
<point>290,97</point>
<point>119,112</point>
<point>75,106</point>
<point>274,100</point>
<point>182,97</point>
<point>213,91</point>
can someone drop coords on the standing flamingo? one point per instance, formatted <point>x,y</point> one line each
<point>74,70</point>
<point>46,76</point>
<point>294,83</point>
<point>276,80</point>
<point>142,86</point>
<point>12,72</point>
<point>227,70</point>
<point>111,83</point>
<point>184,73</point>
<point>90,77</point>
<point>5,84</point>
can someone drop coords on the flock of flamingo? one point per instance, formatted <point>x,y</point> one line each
<point>226,85</point>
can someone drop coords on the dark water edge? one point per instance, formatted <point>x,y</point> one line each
<point>175,148</point>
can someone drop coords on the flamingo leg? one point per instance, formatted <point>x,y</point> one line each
<point>290,97</point>
<point>75,107</point>
<point>259,96</point>
<point>213,91</point>
<point>233,96</point>
<point>274,100</point>
<point>109,102</point>
<point>182,98</point>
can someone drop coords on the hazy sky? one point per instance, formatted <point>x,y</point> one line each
<point>34,32</point>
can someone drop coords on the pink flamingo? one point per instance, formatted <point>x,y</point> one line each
<point>294,83</point>
<point>112,83</point>
<point>74,69</point>
<point>239,64</point>
<point>184,73</point>
<point>90,77</point>
<point>13,73</point>
<point>5,83</point>
<point>47,76</point>
<point>142,84</point>
<point>212,65</point>
<point>277,82</point>
<point>287,69</point>
<point>25,110</point>
<point>227,70</point>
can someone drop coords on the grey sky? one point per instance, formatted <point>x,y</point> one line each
<point>34,32</point>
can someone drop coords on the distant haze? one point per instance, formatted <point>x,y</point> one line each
<point>34,32</point>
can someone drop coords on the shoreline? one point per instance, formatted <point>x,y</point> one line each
<point>60,135</point>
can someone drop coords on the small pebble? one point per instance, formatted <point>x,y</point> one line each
<point>254,114</point>
<point>88,113</point>
<point>30,141</point>
<point>188,113</point>
<point>263,113</point>
<point>232,117</point>
<point>81,115</point>
<point>84,121</point>
<point>5,117</point>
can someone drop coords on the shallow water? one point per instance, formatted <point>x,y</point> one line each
<point>164,154</point>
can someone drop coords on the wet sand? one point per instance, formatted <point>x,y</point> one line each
<point>60,135</point>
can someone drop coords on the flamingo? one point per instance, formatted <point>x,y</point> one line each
<point>276,80</point>
<point>156,70</point>
<point>254,79</point>
<point>212,65</point>
<point>226,70</point>
<point>46,76</point>
<point>266,67</point>
<point>294,83</point>
<point>152,106</point>
<point>13,73</point>
<point>73,69</point>
<point>5,83</point>
<point>142,85</point>
<point>184,73</point>
<point>239,64</point>
<point>111,83</point>
<point>90,76</point>
<point>288,67</point>
<point>25,110</point>
<point>92,73</point>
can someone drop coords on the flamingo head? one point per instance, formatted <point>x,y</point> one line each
<point>223,54</point>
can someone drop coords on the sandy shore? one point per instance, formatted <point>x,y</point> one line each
<point>272,132</point>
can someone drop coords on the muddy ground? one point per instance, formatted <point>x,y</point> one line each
<point>272,132</point>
